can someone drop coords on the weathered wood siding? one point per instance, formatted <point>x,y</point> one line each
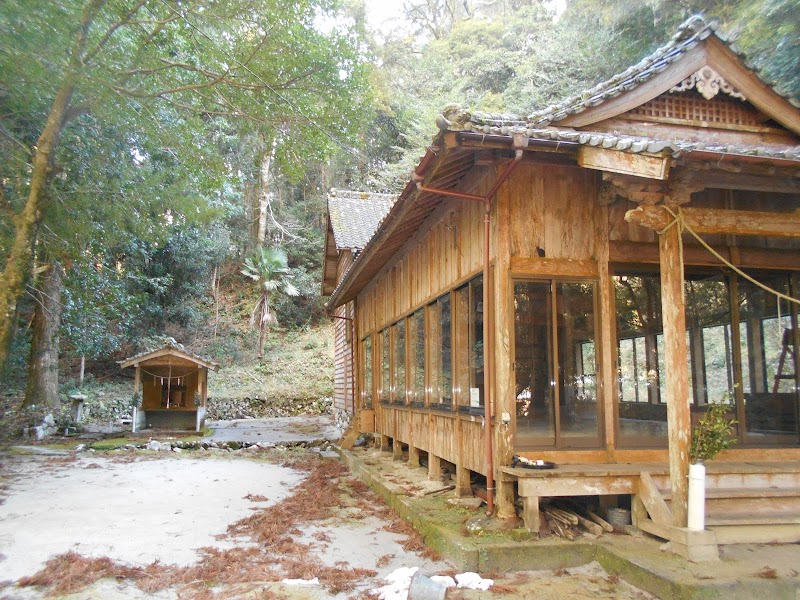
<point>343,350</point>
<point>447,250</point>
<point>551,209</point>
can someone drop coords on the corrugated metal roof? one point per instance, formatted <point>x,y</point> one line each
<point>356,216</point>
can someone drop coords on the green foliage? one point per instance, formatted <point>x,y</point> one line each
<point>157,141</point>
<point>269,268</point>
<point>713,433</point>
<point>91,328</point>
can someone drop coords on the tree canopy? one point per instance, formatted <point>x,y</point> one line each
<point>149,146</point>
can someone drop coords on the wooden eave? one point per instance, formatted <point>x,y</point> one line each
<point>162,356</point>
<point>440,167</point>
<point>711,52</point>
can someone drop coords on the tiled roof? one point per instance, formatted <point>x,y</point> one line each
<point>633,144</point>
<point>169,343</point>
<point>542,124</point>
<point>356,216</point>
<point>689,34</point>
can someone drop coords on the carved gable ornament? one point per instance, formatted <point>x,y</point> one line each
<point>709,83</point>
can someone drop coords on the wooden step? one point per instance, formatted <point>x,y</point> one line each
<point>734,519</point>
<point>762,492</point>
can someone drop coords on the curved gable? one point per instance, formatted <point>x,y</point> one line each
<point>694,50</point>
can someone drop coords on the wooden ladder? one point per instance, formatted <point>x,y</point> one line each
<point>788,350</point>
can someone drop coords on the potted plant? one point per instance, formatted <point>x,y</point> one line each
<point>713,433</point>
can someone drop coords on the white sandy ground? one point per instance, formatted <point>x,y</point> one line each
<point>161,509</point>
<point>136,513</point>
<point>166,508</point>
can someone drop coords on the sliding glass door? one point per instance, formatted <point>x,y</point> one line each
<point>555,365</point>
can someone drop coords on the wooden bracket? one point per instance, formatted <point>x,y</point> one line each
<point>653,500</point>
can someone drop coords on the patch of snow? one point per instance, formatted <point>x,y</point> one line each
<point>314,581</point>
<point>445,580</point>
<point>399,581</point>
<point>473,581</point>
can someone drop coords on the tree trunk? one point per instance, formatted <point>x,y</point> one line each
<point>12,281</point>
<point>264,321</point>
<point>42,387</point>
<point>262,338</point>
<point>263,193</point>
<point>15,273</point>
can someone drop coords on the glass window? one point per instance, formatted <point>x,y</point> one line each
<point>579,423</point>
<point>441,368</point>
<point>734,354</point>
<point>366,387</point>
<point>535,393</point>
<point>461,371</point>
<point>476,343</point>
<point>399,337</point>
<point>642,412</point>
<point>386,373</point>
<point>556,387</point>
<point>416,342</point>
<point>467,331</point>
<point>769,344</point>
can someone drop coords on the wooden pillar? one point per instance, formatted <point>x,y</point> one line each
<point>201,384</point>
<point>137,384</point>
<point>463,482</point>
<point>605,366</point>
<point>434,467</point>
<point>397,449</point>
<point>137,380</point>
<point>502,323</point>
<point>413,456</point>
<point>677,372</point>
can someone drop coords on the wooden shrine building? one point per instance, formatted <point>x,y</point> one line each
<point>172,386</point>
<point>579,284</point>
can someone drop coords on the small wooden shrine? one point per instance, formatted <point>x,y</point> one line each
<point>172,387</point>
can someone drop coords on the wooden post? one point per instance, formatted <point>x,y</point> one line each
<point>137,383</point>
<point>397,448</point>
<point>201,385</point>
<point>502,324</point>
<point>413,456</point>
<point>675,365</point>
<point>434,467</point>
<point>606,332</point>
<point>463,482</point>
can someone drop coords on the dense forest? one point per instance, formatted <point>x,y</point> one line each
<point>164,165</point>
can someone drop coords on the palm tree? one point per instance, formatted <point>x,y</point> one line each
<point>270,267</point>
